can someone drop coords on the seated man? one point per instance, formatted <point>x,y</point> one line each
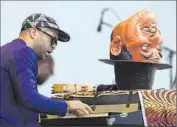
<point>20,100</point>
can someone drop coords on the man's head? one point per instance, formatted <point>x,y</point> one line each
<point>140,36</point>
<point>45,69</point>
<point>41,33</point>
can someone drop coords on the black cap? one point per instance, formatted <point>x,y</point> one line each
<point>38,20</point>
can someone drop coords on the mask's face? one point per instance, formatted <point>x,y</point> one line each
<point>147,46</point>
<point>141,37</point>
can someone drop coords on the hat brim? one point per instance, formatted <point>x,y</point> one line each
<point>63,36</point>
<point>158,66</point>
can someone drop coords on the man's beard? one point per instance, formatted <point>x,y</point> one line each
<point>39,56</point>
<point>38,52</point>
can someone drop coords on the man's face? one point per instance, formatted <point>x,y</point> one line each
<point>43,43</point>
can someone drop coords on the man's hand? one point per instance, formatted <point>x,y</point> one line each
<point>78,108</point>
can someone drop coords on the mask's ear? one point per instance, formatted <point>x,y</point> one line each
<point>115,46</point>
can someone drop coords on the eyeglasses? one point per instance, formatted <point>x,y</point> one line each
<point>53,39</point>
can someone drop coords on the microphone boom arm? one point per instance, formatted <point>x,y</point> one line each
<point>107,24</point>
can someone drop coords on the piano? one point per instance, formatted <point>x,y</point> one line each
<point>116,107</point>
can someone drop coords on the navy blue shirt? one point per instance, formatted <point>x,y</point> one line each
<point>20,100</point>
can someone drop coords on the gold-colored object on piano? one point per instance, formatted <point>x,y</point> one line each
<point>80,89</point>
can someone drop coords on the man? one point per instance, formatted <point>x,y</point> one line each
<point>45,69</point>
<point>20,100</point>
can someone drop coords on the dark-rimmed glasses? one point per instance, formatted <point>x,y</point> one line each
<point>53,39</point>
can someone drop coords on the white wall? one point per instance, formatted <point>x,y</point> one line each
<point>77,61</point>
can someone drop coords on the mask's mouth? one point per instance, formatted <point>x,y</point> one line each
<point>152,55</point>
<point>154,59</point>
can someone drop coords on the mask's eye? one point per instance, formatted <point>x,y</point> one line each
<point>145,47</point>
<point>159,47</point>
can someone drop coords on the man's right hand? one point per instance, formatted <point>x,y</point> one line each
<point>78,108</point>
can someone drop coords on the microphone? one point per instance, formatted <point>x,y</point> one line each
<point>101,19</point>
